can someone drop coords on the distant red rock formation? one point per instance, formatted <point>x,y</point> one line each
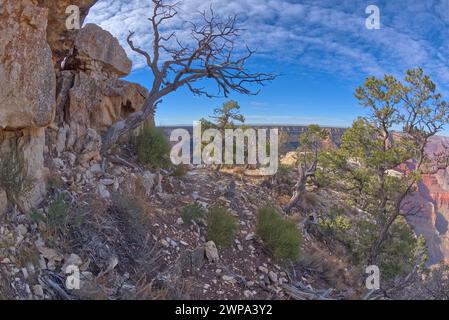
<point>433,198</point>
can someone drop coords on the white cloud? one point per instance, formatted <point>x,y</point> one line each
<point>328,35</point>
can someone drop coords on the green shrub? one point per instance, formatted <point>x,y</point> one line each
<point>285,169</point>
<point>56,220</point>
<point>221,226</point>
<point>180,171</point>
<point>337,225</point>
<point>398,253</point>
<point>193,212</point>
<point>280,235</point>
<point>58,214</point>
<point>152,147</point>
<point>14,178</point>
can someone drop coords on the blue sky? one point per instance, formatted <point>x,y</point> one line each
<point>321,49</point>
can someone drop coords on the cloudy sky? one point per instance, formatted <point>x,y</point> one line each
<point>321,49</point>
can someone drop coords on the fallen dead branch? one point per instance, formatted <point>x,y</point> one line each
<point>304,293</point>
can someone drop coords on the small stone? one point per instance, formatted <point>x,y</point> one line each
<point>263,269</point>
<point>248,213</point>
<point>273,277</point>
<point>58,163</point>
<point>96,169</point>
<point>72,260</point>
<point>179,221</point>
<point>48,253</point>
<point>22,230</point>
<point>107,182</point>
<point>38,291</point>
<point>104,193</point>
<point>42,264</point>
<point>228,279</point>
<point>172,242</point>
<point>250,237</point>
<point>72,158</point>
<point>247,293</point>
<point>211,251</point>
<point>25,273</point>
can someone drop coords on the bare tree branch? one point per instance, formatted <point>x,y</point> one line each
<point>212,56</point>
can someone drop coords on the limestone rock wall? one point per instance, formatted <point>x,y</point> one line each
<point>27,77</point>
<point>86,104</point>
<point>29,145</point>
<point>90,96</point>
<point>99,54</point>
<point>27,90</point>
<point>47,105</point>
<point>59,38</point>
<point>432,220</point>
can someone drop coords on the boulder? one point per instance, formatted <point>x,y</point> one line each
<point>27,78</point>
<point>99,104</point>
<point>59,37</point>
<point>98,53</point>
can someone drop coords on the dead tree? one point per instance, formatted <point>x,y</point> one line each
<point>311,142</point>
<point>210,54</point>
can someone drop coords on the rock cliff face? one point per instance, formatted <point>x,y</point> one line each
<point>291,132</point>
<point>90,95</point>
<point>59,38</point>
<point>98,53</point>
<point>44,101</point>
<point>27,88</point>
<point>433,198</point>
<point>26,73</point>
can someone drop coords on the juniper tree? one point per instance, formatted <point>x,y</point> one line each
<point>383,155</point>
<point>310,146</point>
<point>227,116</point>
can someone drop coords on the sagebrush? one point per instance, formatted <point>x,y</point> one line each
<point>152,147</point>
<point>221,226</point>
<point>280,235</point>
<point>193,212</point>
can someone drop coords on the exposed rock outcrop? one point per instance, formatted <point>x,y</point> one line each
<point>98,53</point>
<point>27,77</point>
<point>433,199</point>
<point>29,145</point>
<point>27,90</point>
<point>59,37</point>
<point>90,97</point>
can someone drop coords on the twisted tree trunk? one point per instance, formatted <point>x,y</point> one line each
<point>133,121</point>
<point>298,193</point>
